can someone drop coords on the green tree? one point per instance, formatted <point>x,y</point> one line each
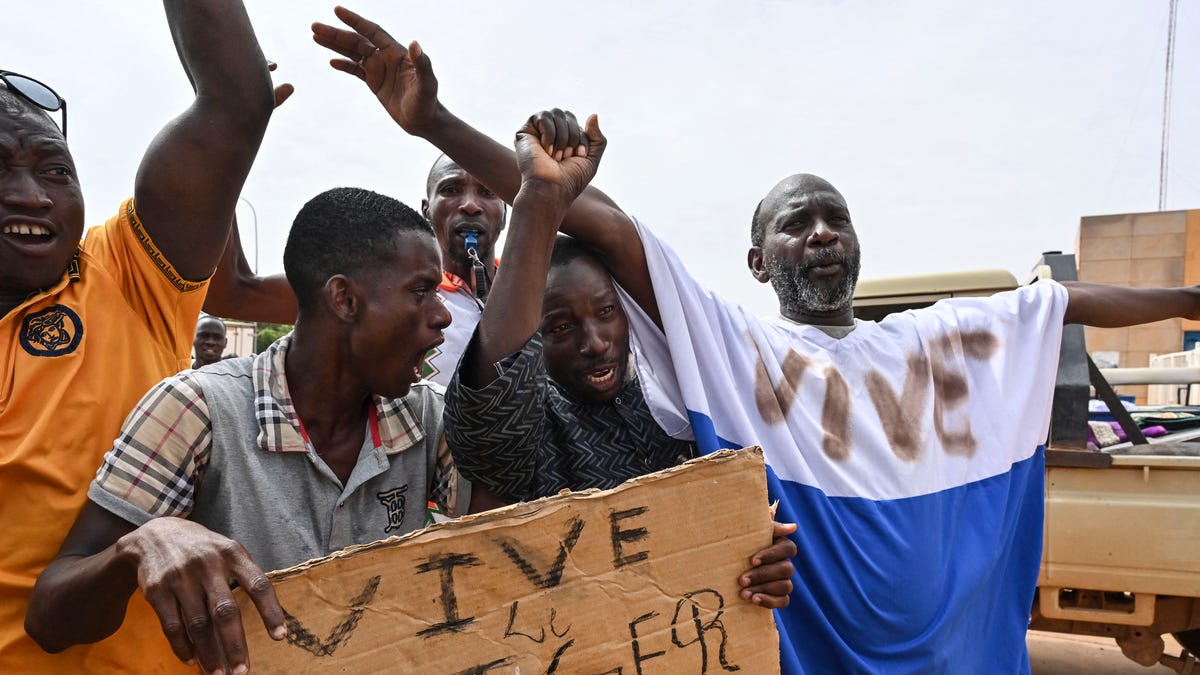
<point>268,333</point>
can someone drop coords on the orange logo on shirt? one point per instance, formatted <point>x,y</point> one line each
<point>54,331</point>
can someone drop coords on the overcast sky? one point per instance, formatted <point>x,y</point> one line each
<point>963,135</point>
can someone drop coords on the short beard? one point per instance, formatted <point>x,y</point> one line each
<point>799,294</point>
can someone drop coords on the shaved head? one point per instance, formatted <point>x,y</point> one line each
<point>210,323</point>
<point>769,205</point>
<point>805,246</point>
<point>435,172</point>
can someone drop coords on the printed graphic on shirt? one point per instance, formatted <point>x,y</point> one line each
<point>393,501</point>
<point>428,370</point>
<point>54,331</point>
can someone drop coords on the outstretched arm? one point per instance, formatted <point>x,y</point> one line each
<point>1105,306</point>
<point>190,177</point>
<point>550,182</point>
<point>402,79</point>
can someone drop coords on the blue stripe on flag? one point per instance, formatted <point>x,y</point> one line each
<point>942,582</point>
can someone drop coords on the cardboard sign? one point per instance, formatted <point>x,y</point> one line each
<point>635,580</point>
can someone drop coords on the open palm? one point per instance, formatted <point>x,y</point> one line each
<point>400,77</point>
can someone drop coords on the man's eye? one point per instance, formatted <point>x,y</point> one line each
<point>605,310</point>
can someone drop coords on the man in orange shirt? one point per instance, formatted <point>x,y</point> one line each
<point>86,329</point>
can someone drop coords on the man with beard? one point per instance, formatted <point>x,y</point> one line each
<point>909,450</point>
<point>210,341</point>
<point>820,290</point>
<point>324,440</point>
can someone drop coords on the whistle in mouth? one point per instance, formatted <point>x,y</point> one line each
<point>471,238</point>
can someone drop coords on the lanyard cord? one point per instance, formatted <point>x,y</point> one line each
<point>479,280</point>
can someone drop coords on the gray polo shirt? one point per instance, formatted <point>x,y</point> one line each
<point>222,446</point>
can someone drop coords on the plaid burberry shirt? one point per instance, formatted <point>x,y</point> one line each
<point>158,461</point>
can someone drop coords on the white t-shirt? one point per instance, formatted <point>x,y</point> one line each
<point>907,451</point>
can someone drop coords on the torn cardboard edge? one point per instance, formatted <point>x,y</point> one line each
<point>641,578</point>
<point>523,510</point>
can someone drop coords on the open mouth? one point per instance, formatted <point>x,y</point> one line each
<point>426,354</point>
<point>30,234</point>
<point>601,377</point>
<point>32,237</point>
<point>462,229</point>
<point>26,229</point>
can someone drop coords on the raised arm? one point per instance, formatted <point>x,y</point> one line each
<point>1105,306</point>
<point>549,184</point>
<point>190,177</point>
<point>403,81</point>
<point>235,291</point>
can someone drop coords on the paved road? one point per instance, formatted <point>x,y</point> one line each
<point>1059,654</point>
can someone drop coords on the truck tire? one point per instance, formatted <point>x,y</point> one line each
<point>1190,639</point>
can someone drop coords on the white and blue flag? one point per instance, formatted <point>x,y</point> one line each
<point>910,452</point>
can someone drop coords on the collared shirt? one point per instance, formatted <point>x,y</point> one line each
<point>74,359</point>
<point>224,446</point>
<point>523,436</point>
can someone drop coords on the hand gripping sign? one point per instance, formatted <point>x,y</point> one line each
<point>638,579</point>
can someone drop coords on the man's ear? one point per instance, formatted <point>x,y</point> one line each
<point>754,260</point>
<point>425,208</point>
<point>342,295</point>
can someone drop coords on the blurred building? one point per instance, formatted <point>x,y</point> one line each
<point>1140,250</point>
<point>240,335</point>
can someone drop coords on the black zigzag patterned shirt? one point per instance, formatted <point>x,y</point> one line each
<point>523,437</point>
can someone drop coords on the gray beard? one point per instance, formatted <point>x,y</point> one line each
<point>799,294</point>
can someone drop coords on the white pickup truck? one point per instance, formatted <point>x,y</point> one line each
<point>1121,556</point>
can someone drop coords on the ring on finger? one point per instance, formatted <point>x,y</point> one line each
<point>364,57</point>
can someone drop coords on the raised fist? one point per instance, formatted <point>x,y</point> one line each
<point>552,149</point>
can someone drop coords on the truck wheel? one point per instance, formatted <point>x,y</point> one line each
<point>1190,639</point>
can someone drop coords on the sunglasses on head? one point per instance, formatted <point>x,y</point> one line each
<point>36,93</point>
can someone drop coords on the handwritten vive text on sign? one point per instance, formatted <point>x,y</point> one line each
<point>631,581</point>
